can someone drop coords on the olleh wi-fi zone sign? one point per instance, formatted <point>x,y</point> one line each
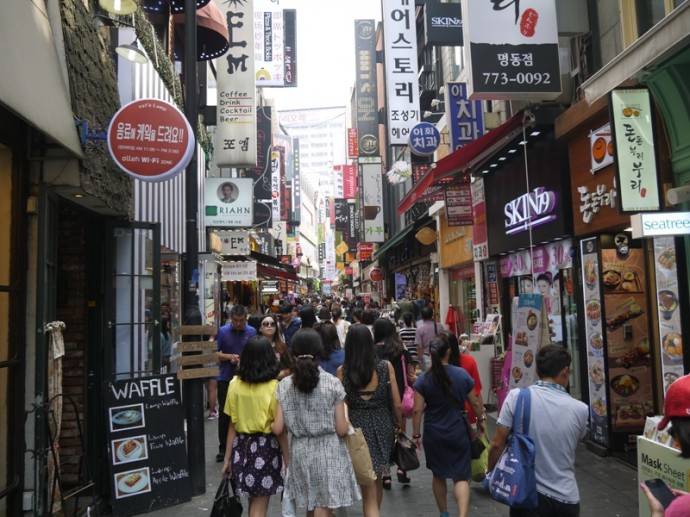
<point>150,140</point>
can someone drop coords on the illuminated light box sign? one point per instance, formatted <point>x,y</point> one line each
<point>529,210</point>
<point>659,224</point>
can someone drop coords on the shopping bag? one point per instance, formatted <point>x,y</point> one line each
<point>513,481</point>
<point>479,465</point>
<point>404,453</point>
<point>359,454</point>
<point>408,393</point>
<point>477,446</point>
<point>224,504</point>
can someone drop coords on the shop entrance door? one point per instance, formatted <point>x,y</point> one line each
<point>132,312</point>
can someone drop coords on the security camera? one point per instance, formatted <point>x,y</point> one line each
<point>678,195</point>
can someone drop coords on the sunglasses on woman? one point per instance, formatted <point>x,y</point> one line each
<point>268,323</point>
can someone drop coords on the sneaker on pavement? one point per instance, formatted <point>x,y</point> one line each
<point>213,415</point>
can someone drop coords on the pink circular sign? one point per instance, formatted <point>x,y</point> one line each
<point>150,140</point>
<point>376,275</point>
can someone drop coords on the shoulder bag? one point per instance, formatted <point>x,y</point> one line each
<point>513,480</point>
<point>408,393</point>
<point>224,504</point>
<point>360,457</point>
<point>477,446</point>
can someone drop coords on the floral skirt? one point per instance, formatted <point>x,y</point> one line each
<point>256,465</point>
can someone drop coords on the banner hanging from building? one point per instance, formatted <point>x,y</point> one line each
<point>275,44</point>
<point>261,174</point>
<point>366,109</point>
<point>338,181</point>
<point>372,201</point>
<point>402,83</point>
<point>296,206</point>
<point>235,136</point>
<point>465,117</point>
<point>513,50</point>
<point>633,135</point>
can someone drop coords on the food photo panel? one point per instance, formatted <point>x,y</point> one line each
<point>126,417</point>
<point>132,482</point>
<point>129,449</point>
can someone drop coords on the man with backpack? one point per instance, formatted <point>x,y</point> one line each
<point>558,422</point>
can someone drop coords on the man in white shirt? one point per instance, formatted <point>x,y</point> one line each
<point>557,423</point>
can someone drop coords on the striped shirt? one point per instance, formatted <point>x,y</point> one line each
<point>407,336</point>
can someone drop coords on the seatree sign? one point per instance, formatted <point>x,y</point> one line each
<point>660,223</point>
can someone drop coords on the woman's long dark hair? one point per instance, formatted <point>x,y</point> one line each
<point>329,338</point>
<point>258,361</point>
<point>388,345</point>
<point>680,430</point>
<point>307,348</point>
<point>438,349</point>
<point>360,359</point>
<point>454,357</point>
<point>306,314</point>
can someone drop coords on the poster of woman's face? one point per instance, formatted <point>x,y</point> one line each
<point>526,285</point>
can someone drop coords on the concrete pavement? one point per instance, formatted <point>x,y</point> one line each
<point>608,488</point>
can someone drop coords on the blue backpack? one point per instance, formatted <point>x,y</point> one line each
<point>513,481</point>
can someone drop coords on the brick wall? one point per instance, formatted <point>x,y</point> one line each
<point>71,308</point>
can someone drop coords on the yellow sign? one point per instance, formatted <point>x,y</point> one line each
<point>426,236</point>
<point>342,247</point>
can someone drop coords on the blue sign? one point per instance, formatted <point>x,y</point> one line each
<point>424,139</point>
<point>466,122</point>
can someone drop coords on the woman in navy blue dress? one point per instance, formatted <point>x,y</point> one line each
<point>440,393</point>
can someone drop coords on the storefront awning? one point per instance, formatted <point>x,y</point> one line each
<point>463,159</point>
<point>397,239</point>
<point>275,272</point>
<point>271,267</point>
<point>659,43</point>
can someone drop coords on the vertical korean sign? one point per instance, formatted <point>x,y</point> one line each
<point>372,201</point>
<point>466,117</point>
<point>338,181</point>
<point>366,111</point>
<point>513,49</point>
<point>147,452</point>
<point>480,240</point>
<point>633,135</point>
<point>275,45</point>
<point>402,83</point>
<point>235,137</point>
<point>276,174</point>
<point>261,174</point>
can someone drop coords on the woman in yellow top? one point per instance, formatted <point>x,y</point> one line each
<point>253,455</point>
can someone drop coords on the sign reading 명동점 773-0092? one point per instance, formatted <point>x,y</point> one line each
<point>513,49</point>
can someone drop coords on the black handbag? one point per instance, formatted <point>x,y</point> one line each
<point>226,505</point>
<point>476,444</point>
<point>405,453</point>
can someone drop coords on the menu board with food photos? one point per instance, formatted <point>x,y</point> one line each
<point>530,327</point>
<point>594,338</point>
<point>146,444</point>
<point>627,339</point>
<point>670,332</point>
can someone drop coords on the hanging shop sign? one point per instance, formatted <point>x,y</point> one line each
<point>147,451</point>
<point>442,24</point>
<point>372,201</point>
<point>352,147</point>
<point>366,110</point>
<point>424,139</point>
<point>466,117</point>
<point>529,210</point>
<point>659,224</point>
<point>365,251</point>
<point>235,135</point>
<point>238,271</point>
<point>513,49</point>
<point>459,205</point>
<point>402,83</point>
<point>376,274</point>
<point>234,243</point>
<point>261,174</point>
<point>480,241</point>
<point>600,148</point>
<point>275,44</point>
<point>228,202</point>
<point>426,236</point>
<point>150,140</point>
<point>636,161</point>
